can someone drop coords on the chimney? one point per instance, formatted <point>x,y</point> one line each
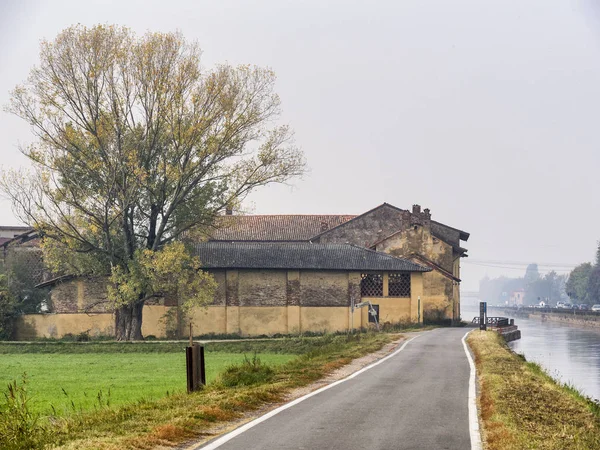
<point>228,210</point>
<point>416,209</point>
<point>324,226</point>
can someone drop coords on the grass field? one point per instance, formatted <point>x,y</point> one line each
<point>168,420</point>
<point>60,384</point>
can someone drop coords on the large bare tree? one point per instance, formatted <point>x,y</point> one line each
<point>136,145</point>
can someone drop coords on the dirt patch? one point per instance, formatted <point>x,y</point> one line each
<point>335,375</point>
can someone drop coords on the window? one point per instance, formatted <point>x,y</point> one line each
<point>371,285</point>
<point>399,285</point>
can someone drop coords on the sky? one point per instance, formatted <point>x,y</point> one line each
<point>485,112</point>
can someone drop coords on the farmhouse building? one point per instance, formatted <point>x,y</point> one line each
<point>401,233</point>
<point>292,274</point>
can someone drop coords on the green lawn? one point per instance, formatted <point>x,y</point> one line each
<point>71,382</point>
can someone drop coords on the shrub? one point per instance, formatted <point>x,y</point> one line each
<point>249,372</point>
<point>8,314</point>
<point>19,427</point>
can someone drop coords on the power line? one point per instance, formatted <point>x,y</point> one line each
<point>521,269</point>
<point>519,263</point>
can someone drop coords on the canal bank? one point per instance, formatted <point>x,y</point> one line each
<point>569,353</point>
<point>574,317</point>
<point>521,406</point>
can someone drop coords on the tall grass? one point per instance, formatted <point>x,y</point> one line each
<point>20,428</point>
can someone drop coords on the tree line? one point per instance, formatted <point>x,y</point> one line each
<point>550,287</point>
<point>580,286</point>
<point>583,285</point>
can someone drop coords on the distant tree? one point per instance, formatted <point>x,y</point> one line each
<point>137,147</point>
<point>593,287</point>
<point>577,284</point>
<point>8,310</point>
<point>532,274</point>
<point>24,270</point>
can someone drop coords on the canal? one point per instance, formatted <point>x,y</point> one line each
<point>569,353</point>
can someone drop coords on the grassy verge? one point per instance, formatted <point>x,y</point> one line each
<point>524,408</point>
<point>240,388</point>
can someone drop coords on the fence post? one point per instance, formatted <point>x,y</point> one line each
<point>195,365</point>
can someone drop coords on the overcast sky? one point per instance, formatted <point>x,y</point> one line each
<point>485,112</point>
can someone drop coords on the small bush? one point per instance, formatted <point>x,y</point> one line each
<point>19,427</point>
<point>251,371</point>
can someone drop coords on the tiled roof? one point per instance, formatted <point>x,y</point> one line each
<point>298,255</point>
<point>275,227</point>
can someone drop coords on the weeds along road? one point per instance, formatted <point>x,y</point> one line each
<point>416,399</point>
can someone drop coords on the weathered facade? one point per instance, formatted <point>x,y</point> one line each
<point>263,289</point>
<point>292,274</point>
<point>386,228</point>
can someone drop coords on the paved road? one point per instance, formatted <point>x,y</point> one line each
<point>414,400</point>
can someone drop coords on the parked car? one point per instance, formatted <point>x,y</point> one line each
<point>583,306</point>
<point>565,306</point>
<point>560,304</point>
<point>596,308</point>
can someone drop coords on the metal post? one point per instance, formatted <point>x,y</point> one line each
<point>352,315</point>
<point>483,316</point>
<point>419,309</point>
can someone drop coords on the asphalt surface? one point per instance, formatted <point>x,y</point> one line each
<point>415,400</point>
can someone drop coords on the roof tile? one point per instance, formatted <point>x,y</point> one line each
<point>275,227</point>
<point>299,255</point>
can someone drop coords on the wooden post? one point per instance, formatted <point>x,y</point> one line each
<point>195,367</point>
<point>189,365</point>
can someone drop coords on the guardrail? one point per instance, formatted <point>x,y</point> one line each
<point>531,309</point>
<point>494,321</point>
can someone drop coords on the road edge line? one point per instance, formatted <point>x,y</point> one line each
<point>226,438</point>
<point>474,431</point>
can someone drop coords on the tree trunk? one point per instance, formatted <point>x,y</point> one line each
<point>128,322</point>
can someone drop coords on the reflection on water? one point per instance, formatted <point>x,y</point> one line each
<point>569,353</point>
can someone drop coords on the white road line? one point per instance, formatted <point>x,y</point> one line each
<point>222,440</point>
<point>473,419</point>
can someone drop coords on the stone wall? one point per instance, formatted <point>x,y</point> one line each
<point>366,230</point>
<point>82,295</point>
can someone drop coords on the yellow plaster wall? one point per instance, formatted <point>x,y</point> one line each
<point>153,320</point>
<point>391,309</point>
<point>417,291</point>
<point>246,320</point>
<point>232,317</point>
<point>31,326</point>
<point>324,318</point>
<point>212,319</point>
<point>294,324</point>
<point>255,320</point>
